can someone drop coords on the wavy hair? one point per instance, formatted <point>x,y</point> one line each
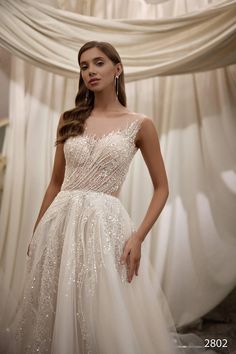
<point>74,119</point>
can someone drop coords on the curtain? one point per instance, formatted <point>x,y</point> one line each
<point>192,244</point>
<point>50,38</point>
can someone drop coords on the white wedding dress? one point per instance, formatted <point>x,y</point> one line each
<point>77,299</point>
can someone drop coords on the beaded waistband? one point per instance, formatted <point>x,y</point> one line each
<point>87,192</point>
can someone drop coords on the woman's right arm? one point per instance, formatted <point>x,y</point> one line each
<point>56,179</point>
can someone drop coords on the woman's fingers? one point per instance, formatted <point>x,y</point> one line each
<point>125,254</point>
<point>131,255</point>
<point>132,268</point>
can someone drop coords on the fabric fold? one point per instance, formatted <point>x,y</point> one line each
<point>201,41</point>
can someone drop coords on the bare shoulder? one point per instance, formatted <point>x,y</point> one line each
<point>146,131</point>
<point>149,145</point>
<point>142,117</point>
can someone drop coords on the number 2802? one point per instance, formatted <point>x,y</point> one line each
<point>216,343</point>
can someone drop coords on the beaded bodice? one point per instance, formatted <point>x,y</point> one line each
<point>100,163</point>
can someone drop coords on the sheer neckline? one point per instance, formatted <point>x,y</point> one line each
<point>96,138</point>
<point>117,113</point>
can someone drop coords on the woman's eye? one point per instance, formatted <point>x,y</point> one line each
<point>98,63</point>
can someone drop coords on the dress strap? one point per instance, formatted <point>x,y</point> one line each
<point>133,129</point>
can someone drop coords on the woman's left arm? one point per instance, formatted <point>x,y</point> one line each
<point>148,143</point>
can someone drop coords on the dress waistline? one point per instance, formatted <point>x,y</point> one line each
<point>87,192</point>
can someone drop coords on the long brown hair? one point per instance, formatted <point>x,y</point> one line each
<point>74,119</point>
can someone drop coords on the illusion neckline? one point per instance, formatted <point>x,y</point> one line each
<point>96,138</point>
<point>118,114</point>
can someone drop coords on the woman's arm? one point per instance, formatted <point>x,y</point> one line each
<point>148,142</point>
<point>56,179</point>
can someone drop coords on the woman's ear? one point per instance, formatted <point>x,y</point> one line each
<point>119,69</point>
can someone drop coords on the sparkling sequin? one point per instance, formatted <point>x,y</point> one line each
<point>100,164</point>
<point>81,234</point>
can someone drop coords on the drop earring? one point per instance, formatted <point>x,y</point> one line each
<point>117,84</point>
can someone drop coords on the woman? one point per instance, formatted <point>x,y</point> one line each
<point>88,290</point>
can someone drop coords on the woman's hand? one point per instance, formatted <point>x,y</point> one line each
<point>132,255</point>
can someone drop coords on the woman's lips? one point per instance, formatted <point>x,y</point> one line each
<point>94,82</point>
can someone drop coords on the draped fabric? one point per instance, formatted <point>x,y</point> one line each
<point>192,245</point>
<point>155,1</point>
<point>50,38</point>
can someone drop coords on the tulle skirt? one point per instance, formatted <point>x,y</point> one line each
<point>77,299</point>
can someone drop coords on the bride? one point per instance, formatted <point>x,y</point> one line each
<point>88,288</point>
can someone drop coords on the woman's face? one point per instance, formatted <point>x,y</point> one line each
<point>95,64</point>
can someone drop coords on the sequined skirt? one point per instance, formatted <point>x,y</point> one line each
<point>77,299</point>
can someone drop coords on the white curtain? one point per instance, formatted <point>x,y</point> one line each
<point>192,245</point>
<point>50,38</point>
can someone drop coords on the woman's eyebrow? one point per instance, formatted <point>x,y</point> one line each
<point>83,62</point>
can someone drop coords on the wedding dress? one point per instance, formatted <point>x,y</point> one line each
<point>77,299</point>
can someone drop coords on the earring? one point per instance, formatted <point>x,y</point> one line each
<point>117,85</point>
<point>86,96</point>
